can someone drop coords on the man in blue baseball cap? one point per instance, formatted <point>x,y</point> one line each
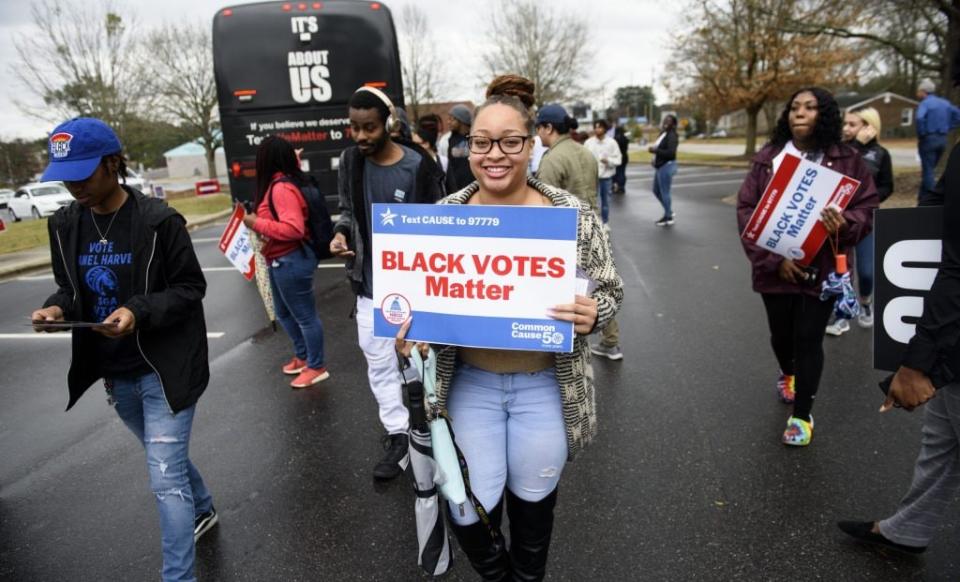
<point>125,262</point>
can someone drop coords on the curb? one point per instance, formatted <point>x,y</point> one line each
<point>41,262</point>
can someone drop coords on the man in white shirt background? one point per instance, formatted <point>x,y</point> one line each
<point>607,152</point>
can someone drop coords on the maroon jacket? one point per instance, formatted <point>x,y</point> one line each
<point>858,214</point>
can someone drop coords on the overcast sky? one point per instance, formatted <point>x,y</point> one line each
<point>629,38</point>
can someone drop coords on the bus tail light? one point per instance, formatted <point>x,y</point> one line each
<point>375,6</point>
<point>228,12</point>
<point>245,95</point>
<point>286,7</point>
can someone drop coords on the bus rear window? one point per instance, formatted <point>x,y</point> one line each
<point>268,59</point>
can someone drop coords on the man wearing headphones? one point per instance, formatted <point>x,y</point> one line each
<point>378,170</point>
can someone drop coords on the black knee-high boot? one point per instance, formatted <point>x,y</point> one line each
<point>531,525</point>
<point>489,559</point>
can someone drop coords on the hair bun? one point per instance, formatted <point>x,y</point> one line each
<point>514,86</point>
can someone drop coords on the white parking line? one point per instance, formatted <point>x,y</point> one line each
<point>715,183</point>
<point>206,240</point>
<point>34,335</point>
<point>49,276</point>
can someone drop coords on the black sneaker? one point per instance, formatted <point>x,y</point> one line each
<point>665,221</point>
<point>204,522</point>
<point>395,460</point>
<point>863,531</point>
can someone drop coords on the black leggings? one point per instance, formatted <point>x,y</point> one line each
<point>797,324</point>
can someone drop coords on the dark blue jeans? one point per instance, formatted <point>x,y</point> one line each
<point>930,148</point>
<point>291,280</point>
<point>620,178</point>
<point>662,181</point>
<point>604,185</point>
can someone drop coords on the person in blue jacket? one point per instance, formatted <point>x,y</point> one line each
<point>935,118</point>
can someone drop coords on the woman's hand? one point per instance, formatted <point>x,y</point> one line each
<point>832,219</point>
<point>248,219</point>
<point>52,314</point>
<point>339,248</point>
<point>405,347</point>
<point>790,272</point>
<point>583,314</point>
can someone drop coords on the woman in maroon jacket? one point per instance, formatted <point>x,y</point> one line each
<point>809,127</point>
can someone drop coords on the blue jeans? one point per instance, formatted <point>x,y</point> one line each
<point>291,280</point>
<point>930,148</point>
<point>176,483</point>
<point>662,181</point>
<point>604,185</point>
<point>511,431</point>
<point>865,265</point>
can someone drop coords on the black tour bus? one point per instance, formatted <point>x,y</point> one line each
<point>289,69</point>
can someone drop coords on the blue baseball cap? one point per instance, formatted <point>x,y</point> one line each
<point>76,148</point>
<point>553,114</point>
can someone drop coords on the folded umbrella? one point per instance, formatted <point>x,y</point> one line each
<point>434,554</point>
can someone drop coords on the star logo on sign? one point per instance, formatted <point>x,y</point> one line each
<point>387,218</point>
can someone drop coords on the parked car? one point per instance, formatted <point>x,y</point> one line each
<point>5,196</point>
<point>40,199</point>
<point>135,180</point>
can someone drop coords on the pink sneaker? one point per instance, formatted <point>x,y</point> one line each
<point>294,366</point>
<point>308,377</point>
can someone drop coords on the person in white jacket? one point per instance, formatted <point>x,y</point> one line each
<point>607,152</point>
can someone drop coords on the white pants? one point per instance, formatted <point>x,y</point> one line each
<point>382,370</point>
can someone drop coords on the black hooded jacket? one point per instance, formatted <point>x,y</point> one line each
<point>167,302</point>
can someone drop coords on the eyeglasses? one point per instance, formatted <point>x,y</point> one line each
<point>512,144</point>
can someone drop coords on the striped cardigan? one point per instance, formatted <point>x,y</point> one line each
<point>574,371</point>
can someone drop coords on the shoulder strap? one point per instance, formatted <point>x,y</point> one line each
<point>280,180</point>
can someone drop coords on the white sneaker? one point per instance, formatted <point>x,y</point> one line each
<point>838,327</point>
<point>865,319</point>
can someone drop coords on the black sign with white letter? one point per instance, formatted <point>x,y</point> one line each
<point>908,248</point>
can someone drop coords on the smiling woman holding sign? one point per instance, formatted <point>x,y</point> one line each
<point>809,128</point>
<point>518,415</point>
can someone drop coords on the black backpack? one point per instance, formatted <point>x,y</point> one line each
<point>319,224</point>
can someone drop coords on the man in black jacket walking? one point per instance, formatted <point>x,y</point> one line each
<point>933,354</point>
<point>378,169</point>
<point>126,262</point>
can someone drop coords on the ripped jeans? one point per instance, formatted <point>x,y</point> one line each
<point>176,483</point>
<point>511,431</point>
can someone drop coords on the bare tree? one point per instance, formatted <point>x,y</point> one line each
<point>740,57</point>
<point>79,60</point>
<point>549,48</point>
<point>181,58</point>
<point>919,37</point>
<point>423,72</point>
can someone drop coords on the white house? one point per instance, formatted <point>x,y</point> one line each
<point>188,161</point>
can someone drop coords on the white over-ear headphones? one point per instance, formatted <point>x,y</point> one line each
<point>393,122</point>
